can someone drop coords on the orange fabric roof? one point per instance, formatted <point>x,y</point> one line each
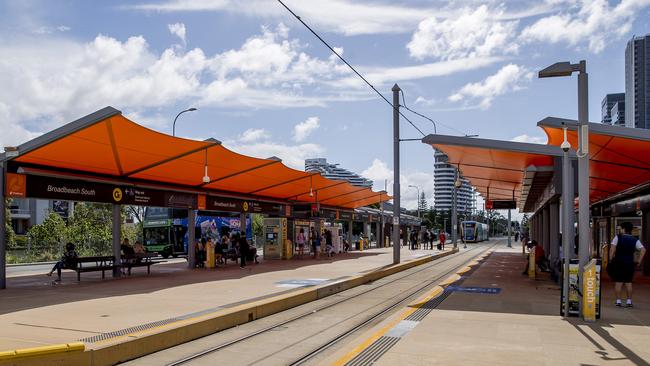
<point>619,157</point>
<point>109,144</point>
<point>495,168</point>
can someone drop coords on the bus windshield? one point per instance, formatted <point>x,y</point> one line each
<point>156,235</point>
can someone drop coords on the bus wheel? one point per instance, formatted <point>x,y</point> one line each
<point>165,254</point>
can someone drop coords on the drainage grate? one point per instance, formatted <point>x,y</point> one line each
<point>373,353</point>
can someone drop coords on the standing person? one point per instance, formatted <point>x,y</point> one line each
<point>328,243</point>
<point>68,260</point>
<point>199,249</point>
<point>443,238</point>
<point>243,250</point>
<point>312,241</point>
<point>623,262</point>
<point>432,236</point>
<point>425,239</point>
<point>300,239</point>
<point>516,236</point>
<point>220,248</point>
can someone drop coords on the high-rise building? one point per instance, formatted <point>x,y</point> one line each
<point>637,82</point>
<point>608,103</point>
<point>443,180</point>
<point>333,171</point>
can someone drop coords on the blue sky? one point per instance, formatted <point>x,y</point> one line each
<point>265,86</point>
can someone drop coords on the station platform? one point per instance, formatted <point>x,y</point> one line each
<point>497,316</point>
<point>34,312</point>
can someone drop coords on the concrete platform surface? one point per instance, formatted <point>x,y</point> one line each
<point>36,312</point>
<point>520,325</point>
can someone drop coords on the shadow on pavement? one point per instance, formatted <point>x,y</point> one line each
<point>28,292</point>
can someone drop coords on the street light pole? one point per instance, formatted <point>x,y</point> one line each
<point>181,112</point>
<point>396,187</point>
<point>566,69</point>
<point>418,200</point>
<point>583,170</point>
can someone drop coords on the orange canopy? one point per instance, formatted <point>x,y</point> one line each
<point>495,168</point>
<point>619,157</point>
<point>107,144</point>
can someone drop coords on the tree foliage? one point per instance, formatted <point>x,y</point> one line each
<point>10,236</point>
<point>89,228</point>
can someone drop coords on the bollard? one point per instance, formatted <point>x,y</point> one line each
<point>209,255</point>
<point>531,264</point>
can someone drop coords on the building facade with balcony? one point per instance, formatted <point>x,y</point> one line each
<point>613,104</point>
<point>333,171</point>
<point>26,212</point>
<point>444,177</point>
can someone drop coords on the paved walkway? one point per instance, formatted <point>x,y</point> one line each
<point>34,312</point>
<point>518,326</point>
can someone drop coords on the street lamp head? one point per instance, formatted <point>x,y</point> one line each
<point>557,69</point>
<point>191,109</point>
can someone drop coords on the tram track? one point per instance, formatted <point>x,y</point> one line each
<point>377,310</point>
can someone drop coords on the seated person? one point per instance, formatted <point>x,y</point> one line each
<point>68,260</point>
<point>540,259</point>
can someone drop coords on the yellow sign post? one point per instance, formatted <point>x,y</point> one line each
<point>590,292</point>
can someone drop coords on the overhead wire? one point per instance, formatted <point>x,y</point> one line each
<point>349,65</point>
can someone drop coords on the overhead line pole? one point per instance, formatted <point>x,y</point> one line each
<point>396,187</point>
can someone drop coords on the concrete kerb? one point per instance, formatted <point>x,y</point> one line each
<point>138,344</point>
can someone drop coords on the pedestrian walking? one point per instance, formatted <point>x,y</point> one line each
<point>443,238</point>
<point>300,239</point>
<point>425,238</point>
<point>516,236</point>
<point>625,255</point>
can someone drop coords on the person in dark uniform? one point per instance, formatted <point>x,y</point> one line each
<point>623,262</point>
<point>243,250</point>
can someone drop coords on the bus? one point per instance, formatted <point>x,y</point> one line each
<point>474,232</point>
<point>165,229</point>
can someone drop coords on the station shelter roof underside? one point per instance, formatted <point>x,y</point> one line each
<point>506,170</point>
<point>105,144</point>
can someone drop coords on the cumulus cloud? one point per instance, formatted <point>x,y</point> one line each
<point>379,172</point>
<point>292,155</point>
<point>254,134</point>
<point>509,78</point>
<point>303,129</point>
<point>529,139</point>
<point>178,29</point>
<point>473,33</point>
<point>594,21</point>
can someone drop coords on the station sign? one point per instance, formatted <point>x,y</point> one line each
<point>227,204</point>
<point>75,190</point>
<point>345,216</point>
<point>500,205</point>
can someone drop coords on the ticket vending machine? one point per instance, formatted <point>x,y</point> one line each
<point>276,242</point>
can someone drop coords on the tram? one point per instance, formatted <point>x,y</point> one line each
<point>474,232</point>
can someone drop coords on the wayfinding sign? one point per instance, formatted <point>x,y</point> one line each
<point>500,205</point>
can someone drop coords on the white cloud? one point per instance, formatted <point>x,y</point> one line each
<point>292,155</point>
<point>178,29</point>
<point>50,30</point>
<point>254,134</point>
<point>379,172</point>
<point>594,21</point>
<point>341,16</point>
<point>475,32</point>
<point>529,139</point>
<point>508,78</point>
<point>303,129</point>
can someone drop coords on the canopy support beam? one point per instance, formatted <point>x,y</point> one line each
<point>315,190</point>
<point>167,160</point>
<point>282,183</point>
<point>241,172</point>
<point>117,236</point>
<point>111,138</point>
<point>344,194</point>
